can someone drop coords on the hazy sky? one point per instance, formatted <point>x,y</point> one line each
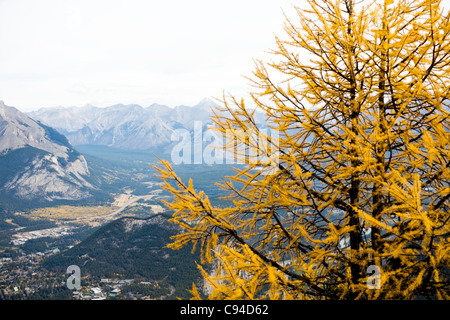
<point>104,52</point>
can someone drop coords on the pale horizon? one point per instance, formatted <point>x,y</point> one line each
<point>111,105</point>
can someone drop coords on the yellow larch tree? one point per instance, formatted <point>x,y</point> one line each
<point>351,201</point>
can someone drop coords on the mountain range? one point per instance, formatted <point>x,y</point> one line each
<point>124,126</point>
<point>38,157</point>
<point>38,162</point>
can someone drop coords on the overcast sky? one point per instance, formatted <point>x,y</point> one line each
<point>103,52</point>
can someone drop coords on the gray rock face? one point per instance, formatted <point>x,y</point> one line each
<point>18,130</point>
<point>46,177</point>
<point>39,163</point>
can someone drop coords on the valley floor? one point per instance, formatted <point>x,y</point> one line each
<point>22,277</point>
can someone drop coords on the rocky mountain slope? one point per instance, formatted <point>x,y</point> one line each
<point>38,163</point>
